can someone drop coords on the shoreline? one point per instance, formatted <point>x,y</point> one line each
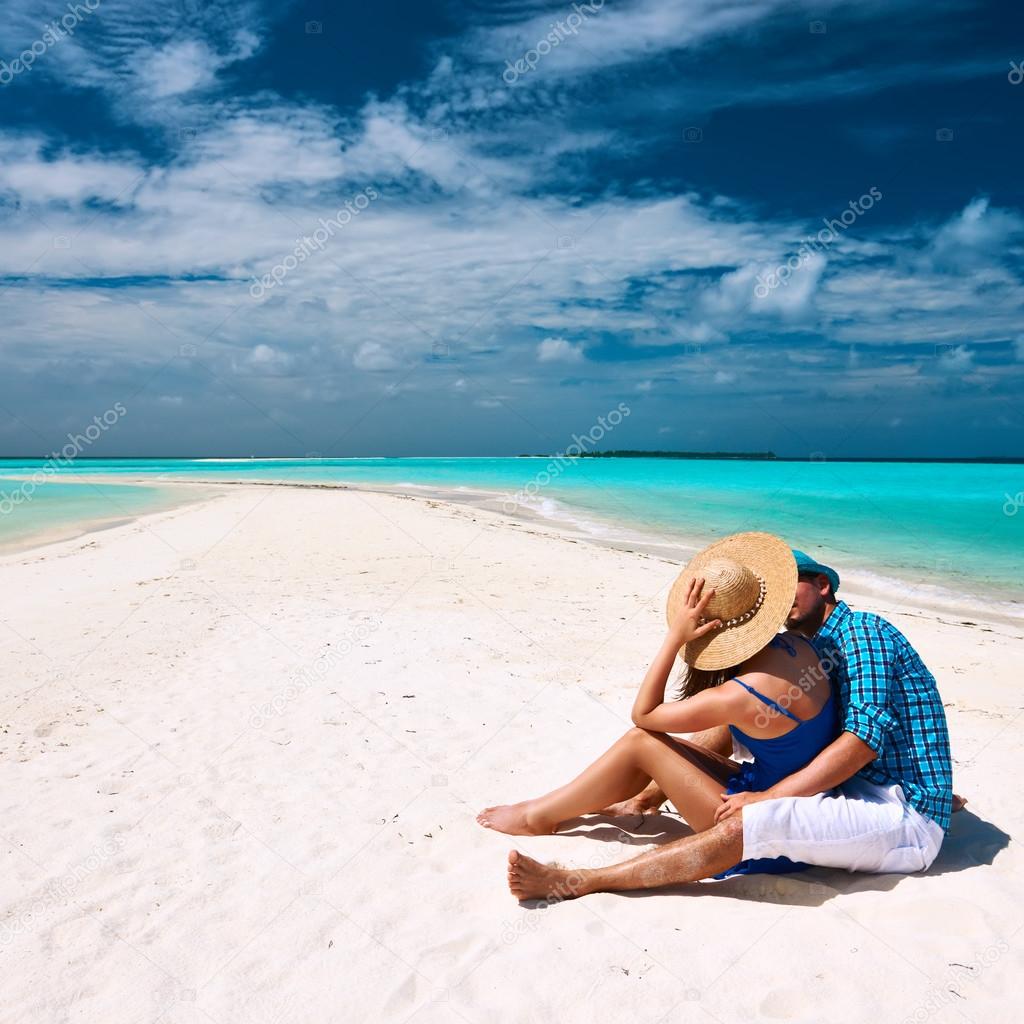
<point>76,529</point>
<point>890,593</point>
<point>265,721</point>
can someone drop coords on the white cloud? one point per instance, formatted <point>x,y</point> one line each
<point>371,355</point>
<point>176,68</point>
<point>767,288</point>
<point>558,350</point>
<point>621,33</point>
<point>261,361</point>
<point>66,177</point>
<point>143,57</point>
<point>976,236</point>
<point>461,247</point>
<point>956,359</point>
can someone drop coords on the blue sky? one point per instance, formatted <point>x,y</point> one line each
<point>512,217</point>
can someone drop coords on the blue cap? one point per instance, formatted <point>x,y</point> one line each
<point>804,563</point>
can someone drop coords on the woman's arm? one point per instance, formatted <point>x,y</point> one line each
<point>705,710</point>
<point>649,709</point>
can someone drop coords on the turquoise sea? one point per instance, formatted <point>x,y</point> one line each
<point>957,526</point>
<point>57,509</point>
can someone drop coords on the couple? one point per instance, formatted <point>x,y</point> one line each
<point>851,765</point>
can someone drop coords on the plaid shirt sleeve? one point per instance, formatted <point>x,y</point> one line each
<point>870,658</point>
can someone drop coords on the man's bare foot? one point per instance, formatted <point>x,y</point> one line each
<point>959,802</point>
<point>528,879</point>
<point>632,808</point>
<point>515,820</point>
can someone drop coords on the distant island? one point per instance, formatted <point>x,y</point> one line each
<point>994,460</point>
<point>628,454</point>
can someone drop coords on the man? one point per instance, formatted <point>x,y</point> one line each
<point>878,798</point>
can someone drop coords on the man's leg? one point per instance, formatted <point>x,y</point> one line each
<point>718,740</point>
<point>685,860</point>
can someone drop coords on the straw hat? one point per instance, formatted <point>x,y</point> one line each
<point>754,579</point>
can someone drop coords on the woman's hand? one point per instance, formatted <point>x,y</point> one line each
<point>687,625</point>
<point>649,708</point>
<point>732,804</point>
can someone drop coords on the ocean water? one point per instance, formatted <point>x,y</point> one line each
<point>56,509</point>
<point>955,526</point>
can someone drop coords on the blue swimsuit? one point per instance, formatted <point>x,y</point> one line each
<point>778,757</point>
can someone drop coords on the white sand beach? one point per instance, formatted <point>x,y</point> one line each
<point>243,743</point>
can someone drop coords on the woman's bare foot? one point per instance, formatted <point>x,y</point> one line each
<point>648,801</point>
<point>635,806</point>
<point>515,820</point>
<point>528,879</point>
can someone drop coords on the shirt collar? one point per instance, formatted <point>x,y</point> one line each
<point>831,625</point>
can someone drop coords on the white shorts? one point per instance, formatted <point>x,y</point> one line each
<point>858,826</point>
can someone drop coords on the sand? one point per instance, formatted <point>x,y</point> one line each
<point>243,743</point>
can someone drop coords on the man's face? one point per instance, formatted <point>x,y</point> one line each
<point>809,601</point>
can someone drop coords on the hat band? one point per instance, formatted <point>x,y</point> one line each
<point>750,612</point>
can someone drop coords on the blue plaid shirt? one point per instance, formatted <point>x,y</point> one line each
<point>891,702</point>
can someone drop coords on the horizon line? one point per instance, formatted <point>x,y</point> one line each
<point>617,453</point>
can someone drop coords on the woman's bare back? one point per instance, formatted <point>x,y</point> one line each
<point>788,672</point>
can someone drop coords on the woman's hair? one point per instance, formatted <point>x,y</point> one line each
<point>692,680</point>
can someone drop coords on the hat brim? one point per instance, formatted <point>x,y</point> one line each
<point>770,558</point>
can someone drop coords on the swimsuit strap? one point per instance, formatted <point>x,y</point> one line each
<point>767,700</point>
<point>780,641</point>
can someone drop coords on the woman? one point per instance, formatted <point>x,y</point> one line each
<point>724,611</point>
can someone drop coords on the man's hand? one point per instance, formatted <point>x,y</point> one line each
<point>731,804</point>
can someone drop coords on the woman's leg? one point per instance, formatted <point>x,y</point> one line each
<point>690,776</point>
<point>650,799</point>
